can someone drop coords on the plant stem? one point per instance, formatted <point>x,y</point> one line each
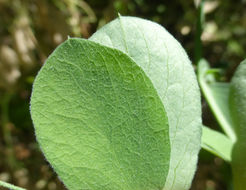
<point>224,122</point>
<point>10,186</point>
<point>199,29</point>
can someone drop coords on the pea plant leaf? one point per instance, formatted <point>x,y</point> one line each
<point>238,111</point>
<point>217,143</point>
<point>166,64</point>
<point>99,120</point>
<point>217,96</point>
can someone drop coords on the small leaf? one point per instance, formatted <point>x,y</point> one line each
<point>217,96</point>
<point>99,120</point>
<point>238,112</point>
<point>217,143</point>
<point>10,186</point>
<point>166,64</point>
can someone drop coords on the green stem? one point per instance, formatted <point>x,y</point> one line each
<point>203,67</point>
<point>199,29</point>
<point>238,165</point>
<point>10,186</point>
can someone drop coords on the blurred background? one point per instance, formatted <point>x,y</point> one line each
<point>31,29</point>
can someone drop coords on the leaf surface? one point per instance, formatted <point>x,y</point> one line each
<point>217,96</point>
<point>217,143</point>
<point>166,64</point>
<point>99,120</point>
<point>238,112</point>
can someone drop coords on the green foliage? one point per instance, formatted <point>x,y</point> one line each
<point>98,109</point>
<point>228,103</point>
<point>168,67</point>
<point>217,96</point>
<point>10,186</point>
<point>99,119</point>
<point>238,112</point>
<point>217,143</point>
<point>30,30</point>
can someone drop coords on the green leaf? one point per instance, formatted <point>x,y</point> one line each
<point>217,96</point>
<point>166,64</point>
<point>99,120</point>
<point>10,186</point>
<point>217,143</point>
<point>238,112</point>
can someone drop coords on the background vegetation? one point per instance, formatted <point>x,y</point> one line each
<point>31,29</point>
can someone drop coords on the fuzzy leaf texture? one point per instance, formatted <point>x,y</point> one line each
<point>122,113</point>
<point>166,64</point>
<point>99,120</point>
<point>238,112</point>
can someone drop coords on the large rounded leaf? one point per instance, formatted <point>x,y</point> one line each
<point>99,120</point>
<point>167,65</point>
<point>238,112</point>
